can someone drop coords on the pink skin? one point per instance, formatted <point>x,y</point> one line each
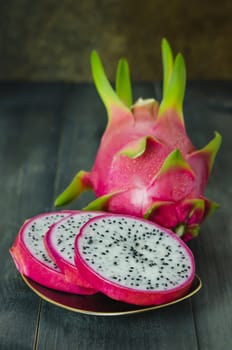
<point>29,266</point>
<point>146,165</point>
<point>125,294</point>
<point>131,129</point>
<point>171,131</point>
<point>136,179</point>
<point>113,140</point>
<point>69,270</point>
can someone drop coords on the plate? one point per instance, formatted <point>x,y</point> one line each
<point>98,304</point>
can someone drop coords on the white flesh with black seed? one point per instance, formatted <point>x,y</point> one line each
<point>63,234</point>
<point>31,257</point>
<point>33,236</point>
<point>133,254</point>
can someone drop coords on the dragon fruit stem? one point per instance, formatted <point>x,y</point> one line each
<point>103,86</point>
<point>167,59</point>
<point>123,82</point>
<point>100,203</point>
<point>211,149</point>
<point>174,161</point>
<point>137,149</point>
<point>174,92</point>
<point>79,184</point>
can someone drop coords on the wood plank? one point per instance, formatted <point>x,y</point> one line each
<point>171,328</point>
<point>209,108</point>
<point>29,136</point>
<point>84,122</point>
<point>161,329</point>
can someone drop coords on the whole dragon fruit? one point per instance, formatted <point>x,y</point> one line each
<point>146,164</point>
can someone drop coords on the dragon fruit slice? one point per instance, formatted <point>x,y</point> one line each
<point>32,259</point>
<point>146,164</point>
<point>134,260</point>
<point>59,241</point>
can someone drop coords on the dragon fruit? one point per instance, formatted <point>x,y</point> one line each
<point>134,260</point>
<point>146,164</point>
<point>59,242</point>
<point>32,259</point>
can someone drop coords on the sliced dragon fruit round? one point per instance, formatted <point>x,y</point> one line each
<point>59,242</point>
<point>31,258</point>
<point>134,260</point>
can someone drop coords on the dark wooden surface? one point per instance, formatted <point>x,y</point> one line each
<point>48,132</point>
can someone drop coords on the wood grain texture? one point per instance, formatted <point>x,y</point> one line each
<point>163,329</point>
<point>47,133</point>
<point>209,106</point>
<point>29,136</point>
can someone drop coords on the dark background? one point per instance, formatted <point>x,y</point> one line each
<point>51,40</point>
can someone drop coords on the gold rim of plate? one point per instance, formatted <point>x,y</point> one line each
<point>87,304</point>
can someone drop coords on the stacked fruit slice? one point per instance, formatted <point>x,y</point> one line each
<point>126,258</point>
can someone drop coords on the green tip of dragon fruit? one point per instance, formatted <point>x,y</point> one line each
<point>174,80</point>
<point>167,59</point>
<point>146,164</point>
<point>123,82</point>
<point>104,88</point>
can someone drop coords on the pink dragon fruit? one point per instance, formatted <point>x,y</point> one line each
<point>146,165</point>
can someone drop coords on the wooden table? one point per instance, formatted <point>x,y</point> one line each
<point>47,132</point>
